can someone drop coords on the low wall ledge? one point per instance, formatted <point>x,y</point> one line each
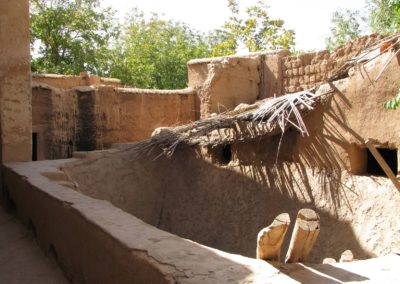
<point>187,91</point>
<point>283,52</point>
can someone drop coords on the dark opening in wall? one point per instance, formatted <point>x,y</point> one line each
<point>226,154</point>
<point>221,154</point>
<point>390,157</point>
<point>34,146</point>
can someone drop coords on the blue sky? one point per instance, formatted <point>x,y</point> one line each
<point>309,18</point>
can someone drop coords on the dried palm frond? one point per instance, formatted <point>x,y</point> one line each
<point>268,117</point>
<point>273,115</point>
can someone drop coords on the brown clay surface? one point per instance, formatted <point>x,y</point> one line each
<point>117,247</point>
<point>21,260</point>
<point>15,82</point>
<point>244,194</point>
<point>357,213</point>
<point>90,118</point>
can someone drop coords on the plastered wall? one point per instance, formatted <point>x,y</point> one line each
<point>222,83</point>
<point>338,129</point>
<point>126,115</point>
<point>102,115</point>
<point>15,82</point>
<point>91,118</point>
<point>54,122</point>
<point>72,81</point>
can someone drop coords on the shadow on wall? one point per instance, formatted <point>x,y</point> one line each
<point>220,207</point>
<point>226,208</point>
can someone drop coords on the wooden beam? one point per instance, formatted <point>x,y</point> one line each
<point>270,239</point>
<point>385,167</point>
<point>305,233</point>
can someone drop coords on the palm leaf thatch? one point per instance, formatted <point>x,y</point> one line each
<point>266,117</point>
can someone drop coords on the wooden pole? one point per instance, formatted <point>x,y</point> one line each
<point>270,239</point>
<point>304,235</point>
<point>385,167</point>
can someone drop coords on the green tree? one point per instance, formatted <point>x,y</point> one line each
<point>70,36</point>
<point>153,53</point>
<point>384,15</point>
<point>381,16</point>
<point>256,31</point>
<point>345,26</point>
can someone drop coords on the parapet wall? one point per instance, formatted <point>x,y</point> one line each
<point>98,113</point>
<point>337,129</point>
<point>54,122</point>
<point>126,115</point>
<point>72,81</point>
<point>225,82</point>
<point>222,83</point>
<point>306,70</point>
<point>94,117</point>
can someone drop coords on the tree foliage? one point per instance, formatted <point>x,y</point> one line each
<point>385,15</point>
<point>380,16</point>
<point>345,26</point>
<point>256,31</point>
<point>393,103</point>
<point>70,36</point>
<point>153,53</point>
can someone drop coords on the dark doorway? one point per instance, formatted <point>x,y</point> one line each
<point>390,157</point>
<point>34,146</point>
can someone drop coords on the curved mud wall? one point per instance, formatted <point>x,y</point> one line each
<point>90,118</point>
<point>95,242</point>
<point>225,207</point>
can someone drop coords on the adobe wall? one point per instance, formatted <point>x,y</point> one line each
<point>90,118</point>
<point>222,83</point>
<point>15,82</point>
<point>307,70</point>
<point>72,81</point>
<point>95,242</point>
<point>225,82</point>
<point>338,129</point>
<point>357,212</point>
<point>54,121</point>
<point>126,115</point>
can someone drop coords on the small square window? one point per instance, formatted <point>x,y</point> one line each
<point>362,162</point>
